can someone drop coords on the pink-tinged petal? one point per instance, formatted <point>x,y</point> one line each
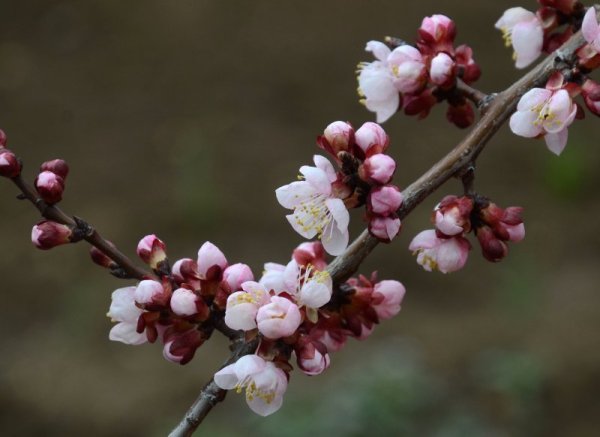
<point>559,109</point>
<point>226,378</point>
<point>236,275</point>
<point>125,332</point>
<point>535,97</point>
<point>290,276</point>
<point>447,224</point>
<point>405,53</point>
<point>298,221</point>
<point>424,240</point>
<point>516,233</point>
<point>384,109</point>
<point>442,68</point>
<point>324,164</point>
<point>240,316</point>
<point>452,254</point>
<point>513,16</point>
<point>527,40</point>
<point>257,290</point>
<point>291,195</point>
<point>183,302</point>
<point>556,142</point>
<point>273,383</point>
<point>317,292</point>
<point>589,27</point>
<point>122,306</point>
<point>375,82</point>
<point>523,123</point>
<point>249,366</point>
<point>392,226</point>
<point>273,278</point>
<point>339,212</point>
<point>279,318</point>
<point>393,293</point>
<point>334,240</point>
<point>379,50</point>
<point>317,178</point>
<point>410,76</point>
<point>209,256</point>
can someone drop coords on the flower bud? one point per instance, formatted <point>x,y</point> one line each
<point>151,293</point>
<point>462,115</point>
<point>469,70</point>
<point>371,138</point>
<point>99,258</point>
<point>442,70</point>
<point>492,248</point>
<point>236,275</point>
<point>57,166</point>
<point>378,169</point>
<point>387,297</point>
<point>384,200</point>
<point>10,166</point>
<point>211,261</point>
<point>384,228</point>
<point>186,271</point>
<point>48,234</point>
<point>50,186</point>
<point>185,303</point>
<point>337,137</point>
<point>181,347</point>
<point>3,139</point>
<point>310,253</point>
<point>312,356</point>
<point>567,7</point>
<point>279,318</point>
<point>436,34</point>
<point>452,215</point>
<point>151,250</point>
<point>421,104</point>
<point>591,96</point>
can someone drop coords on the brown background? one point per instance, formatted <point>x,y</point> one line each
<point>180,118</point>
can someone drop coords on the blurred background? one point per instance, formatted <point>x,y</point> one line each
<point>181,118</point>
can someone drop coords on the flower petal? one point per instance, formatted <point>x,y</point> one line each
<point>527,40</point>
<point>523,123</point>
<point>125,332</point>
<point>589,27</point>
<point>556,142</point>
<point>379,50</point>
<point>291,195</point>
<point>334,240</point>
<point>324,164</point>
<point>317,178</point>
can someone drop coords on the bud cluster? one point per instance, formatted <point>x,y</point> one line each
<point>50,182</point>
<point>414,79</point>
<point>446,249</point>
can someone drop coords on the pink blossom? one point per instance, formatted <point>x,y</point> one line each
<point>211,261</point>
<point>279,318</point>
<point>384,228</point>
<point>378,169</point>
<point>376,83</point>
<point>523,30</point>
<point>371,138</point>
<point>183,302</point>
<point>124,311</point>
<point>48,234</point>
<point>408,69</point>
<point>309,286</point>
<point>442,70</point>
<point>236,275</point>
<point>384,200</point>
<point>317,212</point>
<point>312,356</point>
<point>545,112</point>
<point>387,297</point>
<point>591,29</point>
<point>242,306</point>
<point>264,383</point>
<point>443,254</point>
<point>151,250</point>
<point>452,215</point>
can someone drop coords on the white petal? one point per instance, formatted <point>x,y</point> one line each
<point>589,27</point>
<point>522,124</point>
<point>301,217</point>
<point>384,109</point>
<point>317,178</point>
<point>535,97</point>
<point>376,82</point>
<point>324,164</point>
<point>240,316</point>
<point>556,142</point>
<point>527,40</point>
<point>334,240</point>
<point>291,195</point>
<point>315,294</point>
<point>122,307</point>
<point>339,212</point>
<point>126,333</point>
<point>226,377</point>
<point>249,365</point>
<point>379,50</point>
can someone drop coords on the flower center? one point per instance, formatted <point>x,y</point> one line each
<point>313,214</point>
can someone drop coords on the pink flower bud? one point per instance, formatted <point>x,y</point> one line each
<point>279,318</point>
<point>337,137</point>
<point>151,250</point>
<point>186,271</point>
<point>384,200</point>
<point>3,139</point>
<point>421,104</point>
<point>211,261</point>
<point>371,138</point>
<point>151,293</point>
<point>442,70</point>
<point>378,169</point>
<point>384,228</point>
<point>183,302</point>
<point>591,96</point>
<point>236,275</point>
<point>408,69</point>
<point>312,356</point>
<point>492,248</point>
<point>436,34</point>
<point>310,253</point>
<point>10,166</point>
<point>181,347</point>
<point>387,297</point>
<point>48,234</point>
<point>50,186</point>
<point>462,115</point>
<point>57,166</point>
<point>464,59</point>
<point>99,258</point>
<point>452,215</point>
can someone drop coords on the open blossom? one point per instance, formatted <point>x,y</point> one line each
<point>545,112</point>
<point>591,29</point>
<point>408,69</point>
<point>310,287</point>
<point>317,212</point>
<point>452,215</point>
<point>443,254</point>
<point>264,383</point>
<point>523,30</point>
<point>376,83</point>
<point>279,318</point>
<point>242,306</point>
<point>124,311</point>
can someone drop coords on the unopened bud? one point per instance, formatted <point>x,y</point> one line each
<point>50,186</point>
<point>462,115</point>
<point>337,137</point>
<point>10,166</point>
<point>591,96</point>
<point>384,228</point>
<point>311,253</point>
<point>151,250</point>
<point>211,261</point>
<point>99,257</point>
<point>186,271</point>
<point>442,71</point>
<point>492,248</point>
<point>371,138</point>
<point>151,294</point>
<point>436,34</point>
<point>312,356</point>
<point>3,139</point>
<point>384,200</point>
<point>57,166</point>
<point>48,234</point>
<point>236,275</point>
<point>378,169</point>
<point>183,302</point>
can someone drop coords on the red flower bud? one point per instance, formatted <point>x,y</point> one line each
<point>48,234</point>
<point>492,248</point>
<point>462,116</point>
<point>99,258</point>
<point>10,166</point>
<point>50,186</point>
<point>3,139</point>
<point>57,166</point>
<point>151,250</point>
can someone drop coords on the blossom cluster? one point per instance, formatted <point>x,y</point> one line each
<point>415,78</point>
<point>446,249</point>
<point>321,198</point>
